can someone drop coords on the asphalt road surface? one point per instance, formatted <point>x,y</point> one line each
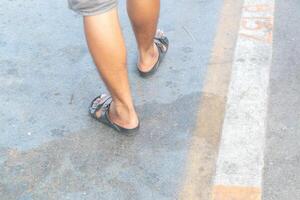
<point>220,120</point>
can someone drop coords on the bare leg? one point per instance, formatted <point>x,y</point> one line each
<point>106,44</point>
<point>144,16</point>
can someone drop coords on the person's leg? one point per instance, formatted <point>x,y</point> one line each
<point>106,44</point>
<point>144,16</point>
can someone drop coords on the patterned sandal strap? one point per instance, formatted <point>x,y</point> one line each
<point>162,39</point>
<point>99,103</point>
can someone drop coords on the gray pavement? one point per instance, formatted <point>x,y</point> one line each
<point>51,149</point>
<point>282,155</point>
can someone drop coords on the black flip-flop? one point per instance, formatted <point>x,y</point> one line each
<point>162,43</point>
<point>103,103</point>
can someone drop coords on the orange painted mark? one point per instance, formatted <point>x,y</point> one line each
<point>268,38</point>
<point>258,8</point>
<point>261,18</point>
<point>221,192</point>
<point>257,26</point>
<point>258,29</point>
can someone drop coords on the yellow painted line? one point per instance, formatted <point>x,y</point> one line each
<point>222,192</point>
<point>200,167</point>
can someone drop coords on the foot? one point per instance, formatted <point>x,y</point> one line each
<point>119,114</point>
<point>148,58</point>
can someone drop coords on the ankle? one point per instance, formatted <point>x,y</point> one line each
<point>147,52</point>
<point>123,115</point>
<point>124,112</point>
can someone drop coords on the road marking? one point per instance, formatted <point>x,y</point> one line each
<point>240,162</point>
<point>236,193</point>
<point>202,155</point>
